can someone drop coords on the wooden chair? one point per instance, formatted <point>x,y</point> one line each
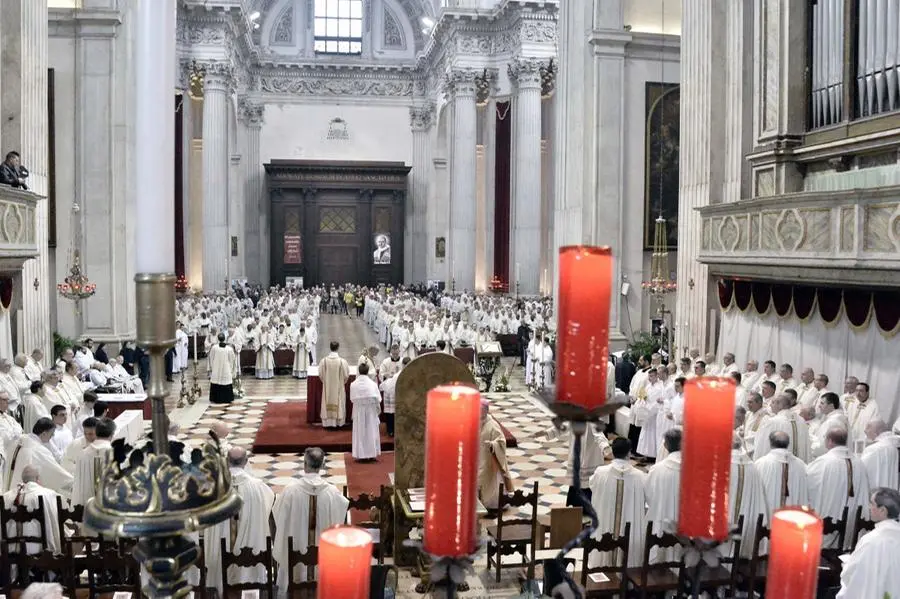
<point>16,545</point>
<point>862,526</point>
<point>657,578</point>
<point>382,578</point>
<point>247,559</point>
<point>379,529</point>
<point>616,572</point>
<point>65,514</point>
<point>309,558</point>
<point>110,567</point>
<point>753,571</point>
<point>513,535</point>
<point>565,523</point>
<point>830,565</point>
<point>726,574</point>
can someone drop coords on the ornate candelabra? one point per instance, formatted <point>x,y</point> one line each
<point>149,493</point>
<point>76,286</point>
<point>660,285</point>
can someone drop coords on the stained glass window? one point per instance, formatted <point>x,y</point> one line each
<point>338,26</point>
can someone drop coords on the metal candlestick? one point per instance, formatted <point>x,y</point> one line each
<point>148,493</point>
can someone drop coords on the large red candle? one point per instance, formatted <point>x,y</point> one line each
<point>452,431</point>
<point>345,558</point>
<point>585,280</point>
<point>706,458</point>
<point>795,546</point>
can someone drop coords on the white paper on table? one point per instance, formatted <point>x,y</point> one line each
<point>121,595</point>
<point>598,577</point>
<point>251,594</point>
<point>417,506</point>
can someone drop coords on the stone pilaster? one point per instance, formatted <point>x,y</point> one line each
<point>462,87</point>
<point>526,76</point>
<point>218,85</point>
<point>703,123</point>
<point>256,254</point>
<point>23,27</point>
<point>416,248</point>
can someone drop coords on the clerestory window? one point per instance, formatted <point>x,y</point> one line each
<point>338,27</point>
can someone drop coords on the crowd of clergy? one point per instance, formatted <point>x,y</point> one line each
<point>796,442</point>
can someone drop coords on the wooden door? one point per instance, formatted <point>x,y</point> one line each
<point>338,264</point>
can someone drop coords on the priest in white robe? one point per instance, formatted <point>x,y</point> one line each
<point>92,461</point>
<point>663,484</point>
<point>832,416</point>
<point>62,434</point>
<point>33,450</point>
<point>753,420</point>
<point>34,366</point>
<point>544,355</point>
<point>882,457</point>
<point>223,364</point>
<point>28,494</point>
<point>746,497</point>
<point>10,429</point>
<point>837,480</point>
<point>595,450</point>
<point>9,385</point>
<point>871,571</point>
<point>619,496</point>
<point>786,421</point>
<point>783,474</point>
<point>493,467</point>
<point>861,412</point>
<point>77,447</point>
<point>181,349</point>
<point>249,529</point>
<point>291,513</point>
<point>390,365</point>
<point>33,406</point>
<point>655,403</point>
<point>301,353</point>
<point>334,372</point>
<point>366,400</point>
<point>265,353</point>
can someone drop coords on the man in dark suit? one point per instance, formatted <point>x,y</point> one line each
<point>12,173</point>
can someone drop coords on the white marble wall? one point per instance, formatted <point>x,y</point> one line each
<point>416,247</point>
<point>461,245</point>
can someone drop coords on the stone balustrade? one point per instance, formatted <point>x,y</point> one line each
<point>18,239</point>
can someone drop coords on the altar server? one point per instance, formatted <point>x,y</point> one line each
<point>291,513</point>
<point>663,483</point>
<point>390,365</point>
<point>62,434</point>
<point>33,450</point>
<point>333,372</point>
<point>181,349</point>
<point>33,406</point>
<point>837,480</point>
<point>389,393</point>
<point>654,391</point>
<point>265,353</point>
<point>871,571</point>
<point>366,400</point>
<point>10,429</point>
<point>783,474</point>
<point>92,462</point>
<point>493,467</point>
<point>595,450</point>
<point>786,421</point>
<point>248,530</point>
<point>223,365</point>
<point>882,456</point>
<point>28,495</point>
<point>77,447</point>
<point>618,495</point>
<point>746,497</point>
<point>301,353</point>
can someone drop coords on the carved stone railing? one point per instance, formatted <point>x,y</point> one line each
<point>826,237</point>
<point>18,241</point>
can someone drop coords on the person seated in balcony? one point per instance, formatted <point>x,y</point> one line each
<point>12,172</point>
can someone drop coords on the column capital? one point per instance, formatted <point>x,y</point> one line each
<point>461,82</point>
<point>251,113</point>
<point>421,117</point>
<point>217,74</point>
<point>527,73</point>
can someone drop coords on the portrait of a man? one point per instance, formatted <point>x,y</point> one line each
<point>382,253</point>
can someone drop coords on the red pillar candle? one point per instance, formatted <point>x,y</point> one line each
<point>795,546</point>
<point>452,431</point>
<point>706,458</point>
<point>582,349</point>
<point>345,558</point>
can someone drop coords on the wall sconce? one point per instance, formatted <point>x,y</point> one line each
<point>37,283</point>
<point>691,284</point>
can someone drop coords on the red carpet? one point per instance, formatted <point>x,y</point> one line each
<point>284,430</point>
<point>367,478</point>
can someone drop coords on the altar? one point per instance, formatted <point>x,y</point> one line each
<point>120,402</point>
<point>314,395</point>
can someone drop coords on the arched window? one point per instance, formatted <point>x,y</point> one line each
<point>338,26</point>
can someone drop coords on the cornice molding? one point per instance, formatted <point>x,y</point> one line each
<point>83,23</point>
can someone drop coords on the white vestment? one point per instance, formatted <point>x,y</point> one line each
<point>871,571</point>
<point>8,384</point>
<point>33,409</point>
<point>60,441</point>
<point>787,422</point>
<point>648,442</point>
<point>837,480</point>
<point>291,513</point>
<point>88,468</point>
<point>223,365</point>
<point>882,461</point>
<point>859,415</point>
<point>747,498</point>
<point>30,451</point>
<point>249,529</point>
<point>389,367</point>
<point>333,372</point>
<point>366,400</point>
<point>28,495</point>
<point>618,494</point>
<point>181,351</point>
<point>834,419</point>
<point>73,452</point>
<point>784,478</point>
<point>10,431</point>
<point>594,451</point>
<point>752,423</point>
<point>301,354</point>
<point>663,484</point>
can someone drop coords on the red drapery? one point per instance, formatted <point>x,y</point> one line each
<point>502,182</point>
<point>860,305</point>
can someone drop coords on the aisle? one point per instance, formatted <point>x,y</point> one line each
<point>352,333</point>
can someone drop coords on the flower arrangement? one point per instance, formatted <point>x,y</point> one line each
<point>502,384</point>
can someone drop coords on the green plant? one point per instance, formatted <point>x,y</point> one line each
<point>61,343</point>
<point>643,344</point>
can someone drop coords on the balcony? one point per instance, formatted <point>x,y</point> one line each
<point>835,237</point>
<point>18,241</point>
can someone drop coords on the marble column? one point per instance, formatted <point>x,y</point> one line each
<point>252,115</point>
<point>218,85</point>
<point>416,247</point>
<point>703,126</point>
<point>526,76</point>
<point>23,27</point>
<point>461,84</point>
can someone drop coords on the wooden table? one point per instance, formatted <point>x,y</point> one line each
<point>119,402</point>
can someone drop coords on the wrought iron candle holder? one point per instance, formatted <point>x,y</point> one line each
<point>149,494</point>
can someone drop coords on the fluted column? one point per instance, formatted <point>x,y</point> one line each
<point>416,246</point>
<point>254,209</point>
<point>526,76</point>
<point>703,126</point>
<point>24,128</point>
<point>217,88</point>
<point>461,84</point>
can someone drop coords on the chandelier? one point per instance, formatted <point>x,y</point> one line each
<point>659,284</point>
<point>76,286</point>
